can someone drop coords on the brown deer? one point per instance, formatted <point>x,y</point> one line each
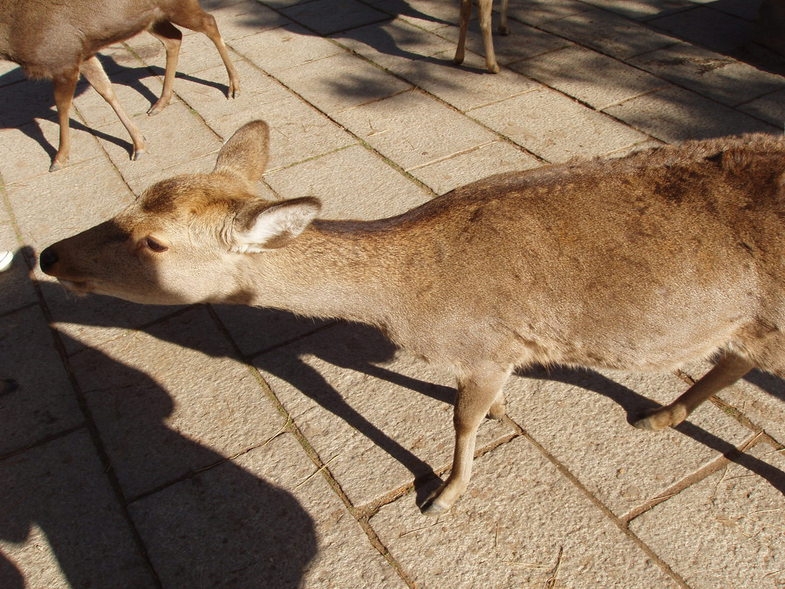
<point>642,263</point>
<point>59,40</point>
<point>484,10</point>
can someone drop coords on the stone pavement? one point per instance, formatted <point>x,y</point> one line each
<point>214,446</point>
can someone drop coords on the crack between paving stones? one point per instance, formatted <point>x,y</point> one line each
<point>715,465</point>
<point>95,438</point>
<point>666,568</point>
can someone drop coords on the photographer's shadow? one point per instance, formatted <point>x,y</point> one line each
<point>200,519</point>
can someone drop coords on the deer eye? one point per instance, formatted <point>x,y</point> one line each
<point>154,245</point>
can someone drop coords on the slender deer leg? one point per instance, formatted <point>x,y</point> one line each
<point>95,74</point>
<point>64,87</point>
<point>728,370</point>
<point>477,392</point>
<point>466,13</point>
<point>486,27</point>
<point>171,37</point>
<point>196,19</point>
<point>503,28</point>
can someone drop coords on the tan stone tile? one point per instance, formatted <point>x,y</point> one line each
<point>284,48</point>
<point>726,530</point>
<point>592,78</point>
<point>268,515</point>
<point>520,524</point>
<point>710,74</point>
<point>171,400</point>
<point>413,129</point>
<point>555,127</point>
<point>461,169</point>
<point>674,114</point>
<point>352,183</point>
<point>297,130</point>
<point>44,403</point>
<point>55,205</point>
<point>62,524</point>
<point>581,417</point>
<point>340,82</point>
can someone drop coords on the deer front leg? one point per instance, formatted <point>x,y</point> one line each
<point>728,370</point>
<point>478,390</point>
<point>64,87</point>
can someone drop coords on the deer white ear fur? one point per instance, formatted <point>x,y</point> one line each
<point>274,226</point>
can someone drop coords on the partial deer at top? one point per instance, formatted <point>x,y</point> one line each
<point>484,10</point>
<point>59,40</point>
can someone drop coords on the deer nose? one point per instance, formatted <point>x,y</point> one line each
<point>47,259</point>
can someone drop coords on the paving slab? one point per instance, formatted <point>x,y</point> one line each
<point>61,524</point>
<point>622,466</point>
<point>607,33</point>
<point>472,165</point>
<point>413,130</point>
<point>340,82</point>
<point>707,27</point>
<point>583,74</point>
<point>379,191</point>
<point>674,114</point>
<point>713,75</point>
<point>426,61</point>
<point>557,128</point>
<point>285,47</point>
<point>330,16</point>
<point>172,401</point>
<point>42,403</point>
<point>520,524</point>
<point>290,118</point>
<point>725,531</point>
<point>267,516</point>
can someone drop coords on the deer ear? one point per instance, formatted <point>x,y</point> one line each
<point>245,154</point>
<point>261,227</point>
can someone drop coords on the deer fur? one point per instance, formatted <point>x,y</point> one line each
<point>666,256</point>
<point>59,40</point>
<point>484,10</point>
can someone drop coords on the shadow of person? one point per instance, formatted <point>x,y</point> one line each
<point>193,518</point>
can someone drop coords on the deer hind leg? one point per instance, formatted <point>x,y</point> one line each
<point>191,16</point>
<point>503,28</point>
<point>728,370</point>
<point>477,392</point>
<point>95,74</point>
<point>171,37</point>
<point>64,87</point>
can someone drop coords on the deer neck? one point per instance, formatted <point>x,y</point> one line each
<point>332,270</point>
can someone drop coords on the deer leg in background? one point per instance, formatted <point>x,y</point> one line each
<point>171,37</point>
<point>64,88</point>
<point>466,13</point>
<point>95,74</point>
<point>196,19</point>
